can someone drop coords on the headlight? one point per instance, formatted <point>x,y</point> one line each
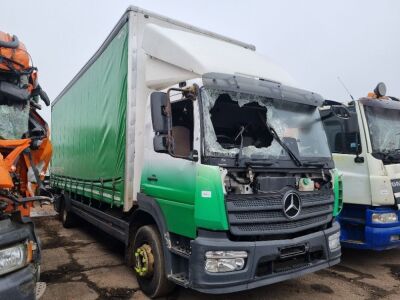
<point>225,261</point>
<point>12,258</point>
<point>334,241</point>
<point>383,218</point>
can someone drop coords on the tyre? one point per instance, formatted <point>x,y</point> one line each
<point>67,218</point>
<point>146,257</point>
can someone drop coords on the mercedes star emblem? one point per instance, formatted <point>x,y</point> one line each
<point>291,205</point>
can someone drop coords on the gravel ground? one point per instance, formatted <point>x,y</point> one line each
<point>85,263</point>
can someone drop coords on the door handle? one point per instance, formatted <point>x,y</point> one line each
<point>152,178</point>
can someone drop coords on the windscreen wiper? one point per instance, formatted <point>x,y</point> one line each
<point>240,134</point>
<point>313,164</point>
<point>252,162</point>
<point>291,154</point>
<point>257,162</point>
<point>391,155</point>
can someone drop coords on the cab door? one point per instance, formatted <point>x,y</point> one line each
<point>171,179</point>
<point>348,145</point>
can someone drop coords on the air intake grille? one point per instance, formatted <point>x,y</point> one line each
<point>262,214</point>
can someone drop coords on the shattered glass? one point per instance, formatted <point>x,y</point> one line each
<point>13,121</point>
<point>289,119</point>
<point>384,128</point>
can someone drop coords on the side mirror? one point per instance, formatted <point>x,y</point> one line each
<point>340,112</point>
<point>159,117</point>
<point>160,143</point>
<point>358,159</point>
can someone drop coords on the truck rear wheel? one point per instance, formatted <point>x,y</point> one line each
<point>147,259</point>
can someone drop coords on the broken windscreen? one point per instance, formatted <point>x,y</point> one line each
<point>384,128</point>
<point>234,118</point>
<point>14,121</point>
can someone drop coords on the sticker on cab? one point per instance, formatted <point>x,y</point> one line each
<point>206,194</point>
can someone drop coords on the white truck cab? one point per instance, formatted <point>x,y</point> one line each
<point>366,150</point>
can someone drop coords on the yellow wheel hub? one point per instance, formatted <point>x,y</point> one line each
<point>144,261</point>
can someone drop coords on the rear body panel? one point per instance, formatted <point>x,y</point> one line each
<point>89,126</point>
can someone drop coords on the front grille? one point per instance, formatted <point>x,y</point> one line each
<point>262,214</point>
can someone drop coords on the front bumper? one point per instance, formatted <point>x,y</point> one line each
<point>382,238</point>
<point>20,284</point>
<point>264,265</point>
<point>361,233</point>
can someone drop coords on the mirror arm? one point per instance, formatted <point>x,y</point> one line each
<point>358,158</point>
<point>330,115</point>
<point>337,115</point>
<point>171,152</point>
<point>188,93</point>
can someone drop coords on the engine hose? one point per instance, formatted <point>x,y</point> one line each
<point>237,179</point>
<point>29,199</point>
<point>35,171</point>
<point>13,44</point>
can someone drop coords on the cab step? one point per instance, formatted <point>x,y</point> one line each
<point>181,251</point>
<point>180,279</point>
<point>40,289</point>
<point>179,245</point>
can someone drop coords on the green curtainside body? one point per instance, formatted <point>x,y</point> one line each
<point>89,127</point>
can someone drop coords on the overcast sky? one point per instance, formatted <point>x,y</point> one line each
<point>315,41</point>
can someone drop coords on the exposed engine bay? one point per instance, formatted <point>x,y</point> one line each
<point>262,204</point>
<point>250,182</point>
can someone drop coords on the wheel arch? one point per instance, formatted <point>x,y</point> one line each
<point>149,212</point>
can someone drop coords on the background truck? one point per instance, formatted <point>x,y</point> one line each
<point>366,150</point>
<point>199,155</point>
<point>25,152</point>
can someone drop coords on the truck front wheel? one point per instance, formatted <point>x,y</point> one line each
<point>67,218</point>
<point>147,258</point>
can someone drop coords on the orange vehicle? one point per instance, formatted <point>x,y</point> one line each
<point>25,153</point>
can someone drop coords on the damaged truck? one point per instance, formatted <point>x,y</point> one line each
<point>200,155</point>
<point>366,150</point>
<point>25,152</point>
